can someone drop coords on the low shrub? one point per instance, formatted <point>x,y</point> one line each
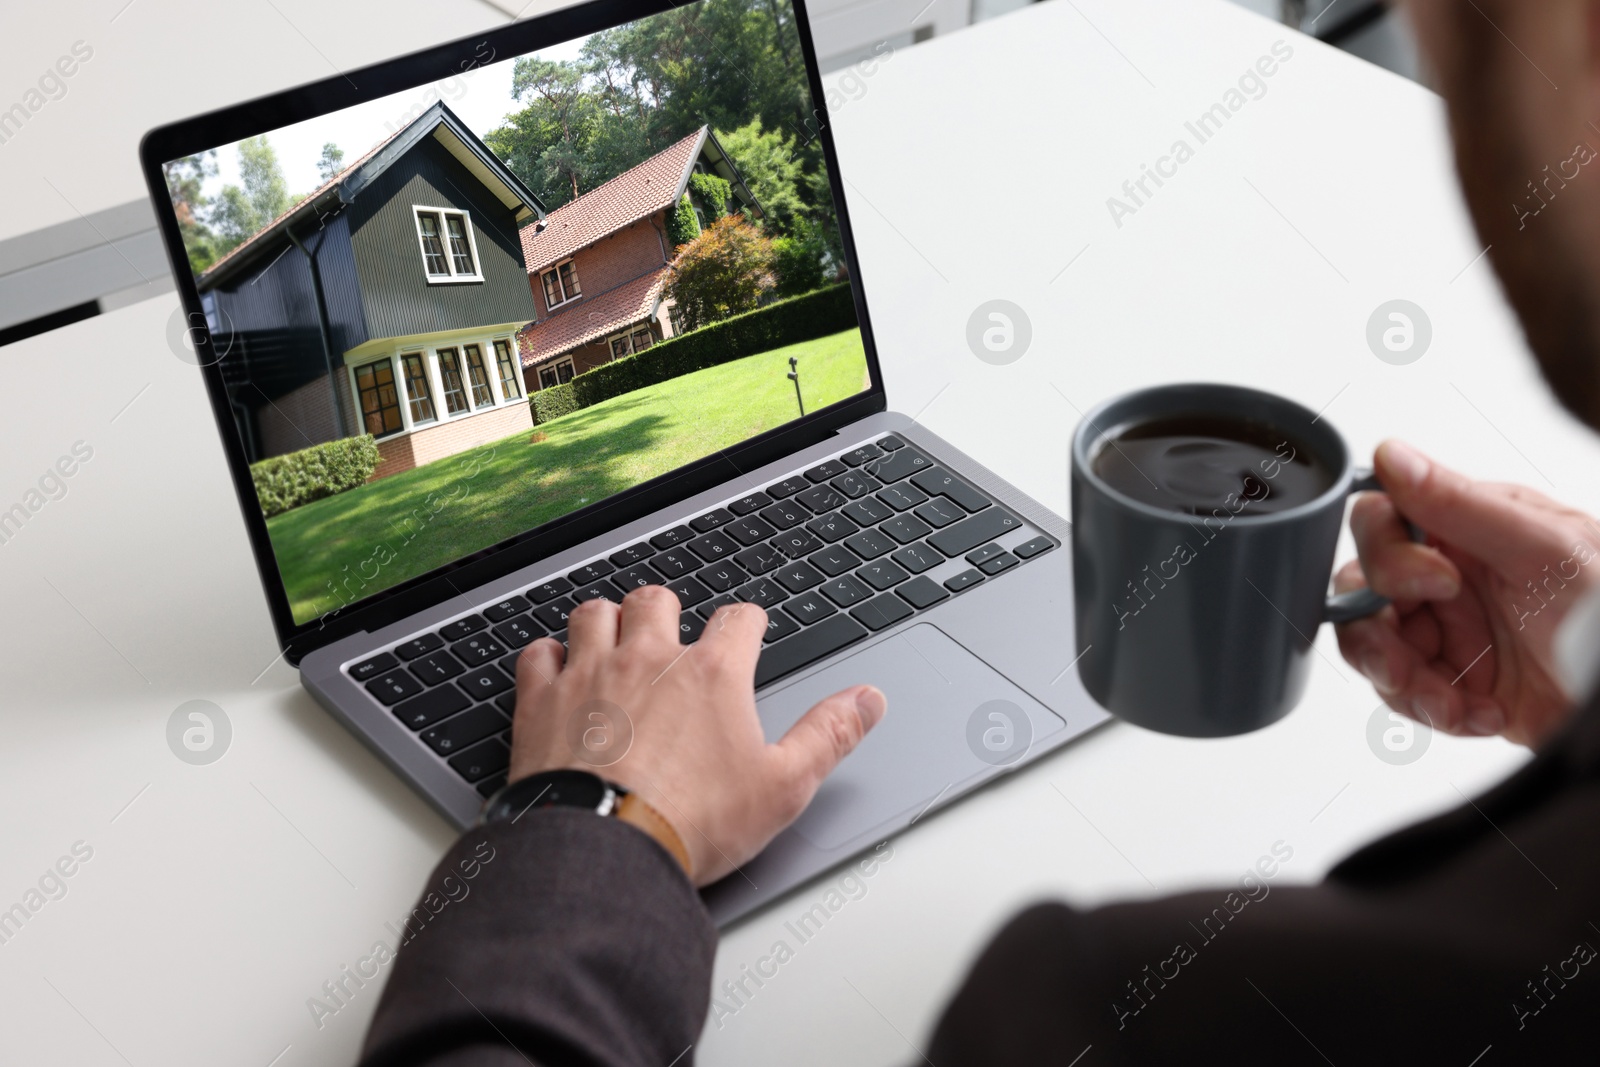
<point>287,481</point>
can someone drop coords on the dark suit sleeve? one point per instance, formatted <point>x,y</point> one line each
<point>563,939</point>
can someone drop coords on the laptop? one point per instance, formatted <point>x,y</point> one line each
<point>571,307</point>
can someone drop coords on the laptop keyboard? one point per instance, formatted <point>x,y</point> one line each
<point>833,553</point>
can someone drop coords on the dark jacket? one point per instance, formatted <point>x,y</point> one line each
<point>1467,940</point>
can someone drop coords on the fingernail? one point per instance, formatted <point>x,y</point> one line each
<point>1405,463</point>
<point>1375,665</point>
<point>1430,586</point>
<point>1431,711</point>
<point>870,705</point>
<point>1486,720</point>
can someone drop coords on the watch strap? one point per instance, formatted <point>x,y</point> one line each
<point>635,811</point>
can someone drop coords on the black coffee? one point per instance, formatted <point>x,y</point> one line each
<point>1211,465</point>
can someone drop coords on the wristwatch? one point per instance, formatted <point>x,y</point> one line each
<point>588,792</point>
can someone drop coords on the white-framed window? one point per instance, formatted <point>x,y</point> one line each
<point>510,370</point>
<point>635,338</point>
<point>561,284</point>
<point>558,373</point>
<point>449,246</point>
<point>450,379</point>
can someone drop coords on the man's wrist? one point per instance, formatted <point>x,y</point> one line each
<point>585,791</point>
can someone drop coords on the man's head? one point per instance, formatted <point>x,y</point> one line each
<point>1522,81</point>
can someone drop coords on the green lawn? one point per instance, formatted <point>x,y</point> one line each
<point>344,547</point>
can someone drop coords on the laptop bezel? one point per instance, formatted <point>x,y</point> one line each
<point>267,113</point>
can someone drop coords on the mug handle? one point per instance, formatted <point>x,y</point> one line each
<point>1359,603</point>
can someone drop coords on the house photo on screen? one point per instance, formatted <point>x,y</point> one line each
<point>450,315</point>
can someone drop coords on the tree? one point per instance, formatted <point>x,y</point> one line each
<point>725,270</point>
<point>799,259</point>
<point>185,179</point>
<point>767,163</point>
<point>238,214</point>
<point>332,161</point>
<point>682,226</point>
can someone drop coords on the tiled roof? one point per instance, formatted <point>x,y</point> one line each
<point>590,317</point>
<point>630,196</point>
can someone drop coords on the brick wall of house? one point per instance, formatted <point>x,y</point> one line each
<point>621,257</point>
<point>302,417</point>
<point>403,453</point>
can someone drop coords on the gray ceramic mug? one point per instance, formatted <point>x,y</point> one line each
<point>1202,627</point>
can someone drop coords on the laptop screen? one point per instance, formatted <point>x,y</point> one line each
<point>453,314</point>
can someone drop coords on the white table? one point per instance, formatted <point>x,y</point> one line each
<point>220,898</point>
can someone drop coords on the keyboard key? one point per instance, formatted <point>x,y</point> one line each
<point>834,561</point>
<point>553,616</point>
<point>881,574</point>
<point>787,487</point>
<point>393,687</point>
<point>832,527</point>
<point>881,611</point>
<point>675,563</point>
<point>822,498</point>
<point>964,580</point>
<point>809,608</point>
<point>902,497</point>
<point>491,785</point>
<point>905,528</point>
<point>721,577</point>
<point>675,536</point>
<point>921,593</point>
<point>709,608</point>
<point>367,670</point>
<point>711,520</point>
<point>465,729</point>
<point>1038,546</point>
<point>627,557</point>
<point>746,504</point>
<point>857,456</point>
<point>969,533</point>
<point>547,591</point>
<point>590,572</point>
<point>1003,562</point>
<point>418,646</point>
<point>690,627</point>
<point>917,558</point>
<point>869,544</point>
<point>455,631</point>
<point>713,546</point>
<point>635,576</point>
<point>784,515</point>
<point>823,471</point>
<point>509,663</point>
<point>430,707</point>
<point>855,485</point>
<point>796,543</point>
<point>600,589</point>
<point>798,576</point>
<point>845,590</point>
<point>748,531</point>
<point>979,556</point>
<point>478,650</point>
<point>759,559</point>
<point>482,760</point>
<point>507,703</point>
<point>511,605</point>
<point>938,481</point>
<point>436,667</point>
<point>779,625</point>
<point>485,682</point>
<point>807,646</point>
<point>939,512</point>
<point>890,443</point>
<point>868,511</point>
<point>519,632</point>
<point>901,463</point>
<point>690,592</point>
<point>763,592</point>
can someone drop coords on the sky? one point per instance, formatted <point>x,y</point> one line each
<point>480,98</point>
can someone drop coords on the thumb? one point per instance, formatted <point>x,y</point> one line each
<point>1481,519</point>
<point>826,734</point>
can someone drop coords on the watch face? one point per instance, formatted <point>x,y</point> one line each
<point>570,789</point>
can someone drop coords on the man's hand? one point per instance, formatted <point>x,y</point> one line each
<point>682,719</point>
<point>1467,645</point>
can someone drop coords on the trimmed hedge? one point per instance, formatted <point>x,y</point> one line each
<point>287,481</point>
<point>786,322</point>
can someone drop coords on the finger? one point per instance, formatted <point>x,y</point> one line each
<point>1485,520</point>
<point>826,734</point>
<point>735,631</point>
<point>591,630</point>
<point>649,614</point>
<point>1391,562</point>
<point>539,664</point>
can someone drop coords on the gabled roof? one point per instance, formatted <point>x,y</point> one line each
<point>342,189</point>
<point>636,193</point>
<point>592,318</point>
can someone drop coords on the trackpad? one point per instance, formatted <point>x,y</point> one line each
<point>952,719</point>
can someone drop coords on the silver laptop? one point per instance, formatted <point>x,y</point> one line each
<point>569,308</point>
